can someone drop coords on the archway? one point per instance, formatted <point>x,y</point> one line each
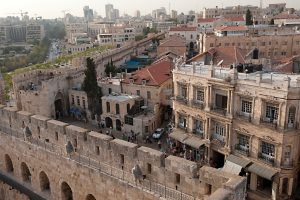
<point>8,164</point>
<point>25,172</point>
<point>118,125</point>
<point>90,197</point>
<point>44,182</point>
<point>59,105</point>
<point>108,122</point>
<point>66,192</point>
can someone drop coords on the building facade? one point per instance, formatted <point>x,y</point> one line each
<point>220,113</point>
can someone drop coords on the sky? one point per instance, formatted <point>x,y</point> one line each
<point>53,8</point>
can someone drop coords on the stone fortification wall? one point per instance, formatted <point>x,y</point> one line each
<point>99,165</point>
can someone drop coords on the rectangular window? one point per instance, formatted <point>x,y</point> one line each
<point>198,126</point>
<point>182,121</point>
<point>221,101</point>
<point>146,129</point>
<point>128,120</point>
<point>183,91</point>
<point>246,106</point>
<point>287,152</point>
<point>83,103</point>
<point>73,100</point>
<point>177,178</point>
<point>243,141</point>
<point>78,101</point>
<point>271,112</point>
<point>200,95</point>
<point>267,149</point>
<point>149,168</point>
<point>138,92</point>
<point>107,107</point>
<point>97,150</point>
<point>122,159</point>
<point>148,95</point>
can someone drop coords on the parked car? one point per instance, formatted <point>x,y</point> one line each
<point>158,133</point>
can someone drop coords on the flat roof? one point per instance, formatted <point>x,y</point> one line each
<point>40,117</point>
<point>100,136</point>
<point>151,151</point>
<point>77,128</point>
<point>124,143</point>
<point>120,97</point>
<point>58,123</point>
<point>25,113</point>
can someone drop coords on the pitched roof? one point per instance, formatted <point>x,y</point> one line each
<point>232,28</point>
<point>173,41</point>
<point>206,20</point>
<point>284,65</point>
<point>228,55</point>
<point>286,16</point>
<point>183,28</point>
<point>155,74</point>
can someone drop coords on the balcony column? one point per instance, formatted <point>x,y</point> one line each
<point>208,97</point>
<point>176,118</point>
<point>228,102</point>
<point>227,135</point>
<point>207,129</point>
<point>253,182</point>
<point>189,123</point>
<point>231,102</point>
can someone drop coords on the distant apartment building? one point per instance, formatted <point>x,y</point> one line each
<point>231,11</point>
<point>161,25</point>
<point>270,42</point>
<point>88,14</point>
<point>208,24</point>
<point>232,119</point>
<point>190,34</point>
<point>116,36</point>
<point>111,13</point>
<point>34,32</point>
<point>159,13</point>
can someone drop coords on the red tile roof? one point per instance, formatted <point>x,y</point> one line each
<point>232,28</point>
<point>229,55</point>
<point>155,74</point>
<point>173,41</point>
<point>183,28</point>
<point>285,65</point>
<point>206,20</point>
<point>286,16</point>
<point>235,19</point>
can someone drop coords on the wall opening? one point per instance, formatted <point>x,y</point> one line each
<point>66,192</point>
<point>44,182</point>
<point>8,164</point>
<point>90,197</point>
<point>149,168</point>
<point>177,178</point>
<point>25,172</point>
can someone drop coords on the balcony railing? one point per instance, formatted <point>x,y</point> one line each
<point>199,133</point>
<point>269,122</point>
<point>182,100</point>
<point>219,110</point>
<point>266,158</point>
<point>198,104</point>
<point>242,149</point>
<point>244,116</point>
<point>287,163</point>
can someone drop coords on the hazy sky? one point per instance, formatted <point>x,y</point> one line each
<point>53,8</point>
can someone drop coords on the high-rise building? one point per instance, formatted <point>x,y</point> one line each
<point>137,14</point>
<point>88,14</point>
<point>108,10</point>
<point>173,14</point>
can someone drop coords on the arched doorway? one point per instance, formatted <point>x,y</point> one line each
<point>90,197</point>
<point>59,105</point>
<point>8,164</point>
<point>44,182</point>
<point>108,122</point>
<point>66,192</point>
<point>25,172</point>
<point>118,125</point>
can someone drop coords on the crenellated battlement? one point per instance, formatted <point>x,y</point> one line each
<point>173,172</point>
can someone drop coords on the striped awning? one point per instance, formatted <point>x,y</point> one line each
<point>262,171</point>
<point>178,135</point>
<point>194,142</point>
<point>238,160</point>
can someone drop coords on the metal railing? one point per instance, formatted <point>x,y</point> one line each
<point>266,159</point>
<point>182,100</point>
<point>144,185</point>
<point>242,150</point>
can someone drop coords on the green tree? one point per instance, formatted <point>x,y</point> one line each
<point>249,20</point>
<point>110,68</point>
<point>90,86</point>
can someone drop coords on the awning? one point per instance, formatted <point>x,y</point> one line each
<point>178,135</point>
<point>239,161</point>
<point>194,142</point>
<point>262,171</point>
<point>232,167</point>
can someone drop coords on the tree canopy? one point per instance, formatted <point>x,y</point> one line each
<point>249,20</point>
<point>90,85</point>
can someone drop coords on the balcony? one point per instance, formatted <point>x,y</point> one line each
<point>242,149</point>
<point>182,100</point>
<point>244,116</point>
<point>199,133</point>
<point>269,122</point>
<point>287,164</point>
<point>221,111</point>
<point>198,104</point>
<point>266,158</point>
